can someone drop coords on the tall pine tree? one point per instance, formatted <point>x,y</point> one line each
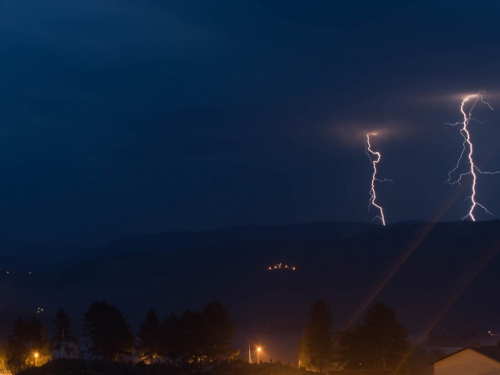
<point>110,337</point>
<point>149,337</point>
<point>63,324</point>
<point>316,348</point>
<point>216,333</point>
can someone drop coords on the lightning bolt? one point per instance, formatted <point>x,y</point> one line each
<point>468,146</point>
<point>374,157</point>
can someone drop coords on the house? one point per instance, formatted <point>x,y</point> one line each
<point>475,360</point>
<point>360,372</point>
<point>66,349</point>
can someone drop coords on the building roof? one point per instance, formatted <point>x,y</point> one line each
<point>489,351</point>
<point>492,352</point>
<point>360,372</point>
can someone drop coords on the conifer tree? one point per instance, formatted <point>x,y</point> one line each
<point>18,345</point>
<point>189,336</point>
<point>217,332</point>
<point>110,337</point>
<point>170,340</point>
<point>149,337</point>
<point>63,324</point>
<point>317,343</point>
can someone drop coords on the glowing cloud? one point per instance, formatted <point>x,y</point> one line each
<point>350,133</point>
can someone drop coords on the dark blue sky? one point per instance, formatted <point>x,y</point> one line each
<point>130,117</point>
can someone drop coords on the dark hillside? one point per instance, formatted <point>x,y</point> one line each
<point>173,241</point>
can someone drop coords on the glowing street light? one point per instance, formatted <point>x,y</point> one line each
<point>259,349</point>
<point>35,355</point>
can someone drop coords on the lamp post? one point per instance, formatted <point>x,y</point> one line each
<point>35,355</point>
<point>259,349</point>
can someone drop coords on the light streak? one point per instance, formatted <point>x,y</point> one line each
<point>374,157</point>
<point>484,259</point>
<point>467,145</point>
<point>408,251</point>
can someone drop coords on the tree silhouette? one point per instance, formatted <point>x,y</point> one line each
<point>149,337</point>
<point>25,340</point>
<point>189,334</point>
<point>64,342</point>
<point>38,340</point>
<point>317,343</point>
<point>63,324</point>
<point>171,338</point>
<point>18,345</point>
<point>109,334</point>
<point>380,343</point>
<point>303,355</point>
<point>217,332</point>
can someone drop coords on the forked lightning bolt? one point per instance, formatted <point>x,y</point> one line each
<point>374,157</point>
<point>468,146</point>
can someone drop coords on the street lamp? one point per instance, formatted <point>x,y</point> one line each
<point>35,355</point>
<point>259,349</point>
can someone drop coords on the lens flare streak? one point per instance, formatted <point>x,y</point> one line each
<point>468,146</point>
<point>374,157</point>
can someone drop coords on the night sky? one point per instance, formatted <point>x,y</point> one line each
<point>134,117</point>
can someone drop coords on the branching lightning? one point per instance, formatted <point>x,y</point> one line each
<point>374,157</point>
<point>468,146</point>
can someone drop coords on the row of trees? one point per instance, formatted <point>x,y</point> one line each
<point>194,336</point>
<point>380,343</point>
<point>206,336</point>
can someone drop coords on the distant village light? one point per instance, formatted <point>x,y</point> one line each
<point>279,266</point>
